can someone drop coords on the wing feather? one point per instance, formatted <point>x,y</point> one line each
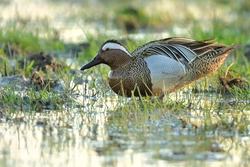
<point>179,49</point>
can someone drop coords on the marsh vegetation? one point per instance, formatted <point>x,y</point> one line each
<point>53,114</point>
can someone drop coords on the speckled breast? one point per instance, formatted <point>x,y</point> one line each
<point>133,79</point>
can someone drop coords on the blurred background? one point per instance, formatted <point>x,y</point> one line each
<point>73,19</point>
<point>80,120</point>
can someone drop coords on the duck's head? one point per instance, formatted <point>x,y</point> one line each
<point>112,53</point>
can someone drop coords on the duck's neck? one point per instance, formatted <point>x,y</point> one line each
<point>121,61</point>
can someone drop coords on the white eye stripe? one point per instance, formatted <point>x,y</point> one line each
<point>114,46</point>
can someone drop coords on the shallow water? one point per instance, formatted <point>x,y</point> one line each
<point>98,133</point>
<point>101,129</point>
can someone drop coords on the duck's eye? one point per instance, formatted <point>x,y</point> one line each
<point>105,49</point>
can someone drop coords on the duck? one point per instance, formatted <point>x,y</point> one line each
<point>159,67</point>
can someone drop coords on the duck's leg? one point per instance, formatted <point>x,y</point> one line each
<point>159,98</point>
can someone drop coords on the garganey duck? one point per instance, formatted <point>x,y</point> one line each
<point>160,66</point>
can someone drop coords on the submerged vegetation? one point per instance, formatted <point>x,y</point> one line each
<point>45,99</point>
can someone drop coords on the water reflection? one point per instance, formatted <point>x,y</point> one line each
<point>100,134</point>
<point>101,129</point>
<point>88,140</point>
<point>98,128</point>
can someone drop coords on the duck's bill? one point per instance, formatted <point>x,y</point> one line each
<point>90,64</point>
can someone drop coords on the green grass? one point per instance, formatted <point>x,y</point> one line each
<point>202,113</point>
<point>28,43</point>
<point>26,40</point>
